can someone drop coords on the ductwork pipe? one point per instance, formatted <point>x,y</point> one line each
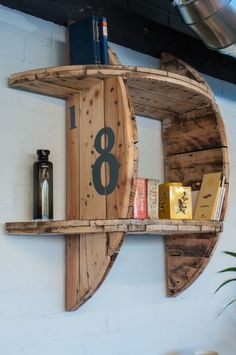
<point>214,21</point>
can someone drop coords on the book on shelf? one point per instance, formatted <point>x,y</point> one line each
<point>175,201</point>
<point>140,199</point>
<point>88,41</point>
<point>209,196</point>
<point>84,41</point>
<point>152,198</point>
<point>220,200</point>
<point>195,194</point>
<point>103,40</point>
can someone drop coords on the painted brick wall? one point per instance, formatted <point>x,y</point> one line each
<point>130,314</point>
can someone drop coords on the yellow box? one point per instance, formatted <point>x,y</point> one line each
<point>175,201</point>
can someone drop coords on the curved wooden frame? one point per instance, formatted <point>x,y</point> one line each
<point>194,143</point>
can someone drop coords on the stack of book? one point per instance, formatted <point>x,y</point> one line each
<point>210,198</point>
<point>88,41</point>
<point>146,198</point>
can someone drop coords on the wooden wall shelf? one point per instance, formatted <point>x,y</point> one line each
<point>142,226</point>
<point>155,93</point>
<point>101,105</point>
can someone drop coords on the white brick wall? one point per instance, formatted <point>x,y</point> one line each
<point>129,314</point>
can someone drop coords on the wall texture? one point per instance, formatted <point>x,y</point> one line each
<point>130,313</point>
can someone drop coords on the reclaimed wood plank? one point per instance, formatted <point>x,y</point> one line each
<point>197,130</point>
<point>106,137</point>
<point>112,225</point>
<point>182,272</point>
<point>118,118</point>
<point>175,65</point>
<point>72,203</point>
<point>64,81</point>
<point>187,257</point>
<point>93,250</point>
<point>190,167</point>
<point>194,143</point>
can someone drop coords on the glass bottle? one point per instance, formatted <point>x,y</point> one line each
<point>43,186</point>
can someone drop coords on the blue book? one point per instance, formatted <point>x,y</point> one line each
<point>84,41</point>
<point>103,39</point>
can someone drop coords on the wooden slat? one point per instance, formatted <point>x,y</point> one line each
<point>114,60</point>
<point>118,118</point>
<point>103,104</point>
<point>182,272</point>
<point>198,129</point>
<point>187,257</point>
<point>46,88</point>
<point>145,85</point>
<point>175,65</point>
<point>190,167</point>
<point>91,252</point>
<point>162,227</point>
<point>136,75</point>
<point>194,245</point>
<point>153,112</point>
<point>165,95</point>
<point>73,203</point>
<point>194,143</point>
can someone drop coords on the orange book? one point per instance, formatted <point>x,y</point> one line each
<point>140,198</point>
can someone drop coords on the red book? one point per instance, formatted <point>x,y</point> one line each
<point>140,199</point>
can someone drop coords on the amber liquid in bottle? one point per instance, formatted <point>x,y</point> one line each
<point>43,187</point>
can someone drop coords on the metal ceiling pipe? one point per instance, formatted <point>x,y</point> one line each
<point>214,21</point>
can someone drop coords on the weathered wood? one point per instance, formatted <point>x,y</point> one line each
<point>119,119</point>
<point>187,257</point>
<point>190,167</point>
<point>195,130</point>
<point>95,226</point>
<point>182,272</point>
<point>73,204</point>
<point>155,93</point>
<point>194,245</point>
<point>175,65</point>
<point>105,132</point>
<point>194,143</point>
<point>91,253</point>
<point>116,90</point>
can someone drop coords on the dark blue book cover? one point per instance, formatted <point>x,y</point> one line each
<point>84,41</point>
<point>103,39</point>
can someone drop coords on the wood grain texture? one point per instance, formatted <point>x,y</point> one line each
<point>72,291</point>
<point>194,143</point>
<point>155,93</point>
<point>103,104</point>
<point>176,65</point>
<point>187,257</point>
<point>112,226</point>
<point>200,129</point>
<point>190,167</point>
<point>120,203</point>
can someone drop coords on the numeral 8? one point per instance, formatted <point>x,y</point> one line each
<point>105,157</point>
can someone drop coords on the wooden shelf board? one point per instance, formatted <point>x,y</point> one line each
<point>146,226</point>
<point>155,93</point>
